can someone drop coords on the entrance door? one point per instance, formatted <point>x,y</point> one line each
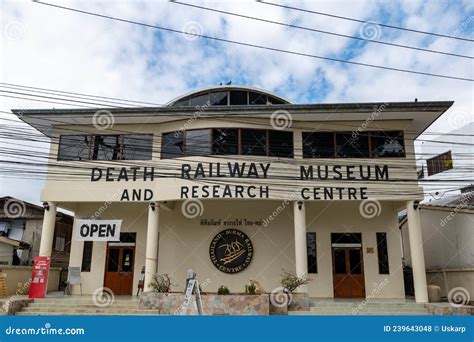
<point>119,265</point>
<point>348,268</point>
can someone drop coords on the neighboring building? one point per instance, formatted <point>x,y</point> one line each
<point>20,233</point>
<point>238,183</point>
<point>448,231</point>
<point>446,162</point>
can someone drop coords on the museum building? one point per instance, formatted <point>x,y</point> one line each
<point>238,183</point>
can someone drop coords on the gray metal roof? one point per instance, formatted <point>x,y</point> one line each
<point>461,201</point>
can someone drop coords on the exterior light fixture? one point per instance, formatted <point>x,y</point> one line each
<point>153,206</point>
<point>46,206</point>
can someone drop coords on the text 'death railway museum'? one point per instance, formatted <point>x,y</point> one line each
<point>238,183</point>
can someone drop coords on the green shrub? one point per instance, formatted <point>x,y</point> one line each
<point>250,289</point>
<point>223,290</point>
<point>291,281</point>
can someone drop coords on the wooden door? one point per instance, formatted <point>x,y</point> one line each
<point>119,269</point>
<point>348,272</point>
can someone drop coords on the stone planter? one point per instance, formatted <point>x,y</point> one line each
<point>212,304</point>
<point>281,303</point>
<point>299,302</point>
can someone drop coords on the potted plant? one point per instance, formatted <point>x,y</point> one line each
<point>223,290</point>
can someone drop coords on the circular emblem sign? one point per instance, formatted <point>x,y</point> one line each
<point>231,251</point>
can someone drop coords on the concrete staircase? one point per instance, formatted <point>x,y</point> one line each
<point>82,306</point>
<point>328,307</point>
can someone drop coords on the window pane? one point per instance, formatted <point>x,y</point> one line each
<point>340,261</point>
<point>137,146</point>
<point>226,141</point>
<point>74,147</point>
<point>280,144</point>
<point>254,142</point>
<point>200,100</point>
<point>257,98</point>
<point>172,145</point>
<point>440,163</point>
<point>198,142</point>
<point>238,97</point>
<point>107,147</point>
<point>86,256</point>
<point>219,98</point>
<point>352,145</point>
<point>318,145</point>
<point>387,144</point>
<point>346,238</point>
<point>355,261</point>
<point>182,103</point>
<point>113,260</point>
<point>127,260</point>
<point>311,252</point>
<point>274,100</point>
<point>382,253</point>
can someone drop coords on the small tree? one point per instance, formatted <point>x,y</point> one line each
<point>160,283</point>
<point>291,281</point>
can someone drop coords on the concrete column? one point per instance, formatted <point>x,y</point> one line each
<point>301,259</point>
<point>416,251</point>
<point>47,232</point>
<point>151,253</point>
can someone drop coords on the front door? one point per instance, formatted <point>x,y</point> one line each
<point>119,265</point>
<point>348,267</point>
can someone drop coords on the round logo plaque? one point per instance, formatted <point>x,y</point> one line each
<point>231,251</point>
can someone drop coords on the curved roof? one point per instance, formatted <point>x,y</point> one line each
<point>227,95</point>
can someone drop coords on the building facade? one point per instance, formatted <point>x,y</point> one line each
<point>238,183</point>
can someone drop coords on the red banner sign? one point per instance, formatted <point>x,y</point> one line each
<point>39,277</point>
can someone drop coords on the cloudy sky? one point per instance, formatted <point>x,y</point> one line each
<point>47,47</point>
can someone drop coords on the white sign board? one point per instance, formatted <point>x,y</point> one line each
<point>96,230</point>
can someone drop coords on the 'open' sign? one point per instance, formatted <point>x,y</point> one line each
<point>96,230</point>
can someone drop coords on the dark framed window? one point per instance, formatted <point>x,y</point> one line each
<point>172,145</point>
<point>257,98</point>
<point>318,145</point>
<point>352,145</point>
<point>440,163</point>
<point>198,142</point>
<point>382,253</point>
<point>238,98</point>
<point>254,142</point>
<point>137,146</point>
<point>387,144</point>
<point>225,141</point>
<point>280,144</point>
<point>105,147</point>
<point>311,251</point>
<point>200,100</point>
<point>86,256</point>
<point>219,98</point>
<point>74,147</point>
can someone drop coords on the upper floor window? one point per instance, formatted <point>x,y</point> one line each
<point>227,141</point>
<point>376,144</point>
<point>440,163</point>
<point>105,147</point>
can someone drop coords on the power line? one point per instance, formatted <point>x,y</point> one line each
<point>364,21</point>
<point>321,31</point>
<point>262,47</point>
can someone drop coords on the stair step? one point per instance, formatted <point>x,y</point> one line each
<point>368,304</point>
<point>339,313</point>
<point>88,305</point>
<point>84,310</point>
<point>104,313</point>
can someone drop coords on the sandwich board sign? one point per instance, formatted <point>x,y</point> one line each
<point>192,287</point>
